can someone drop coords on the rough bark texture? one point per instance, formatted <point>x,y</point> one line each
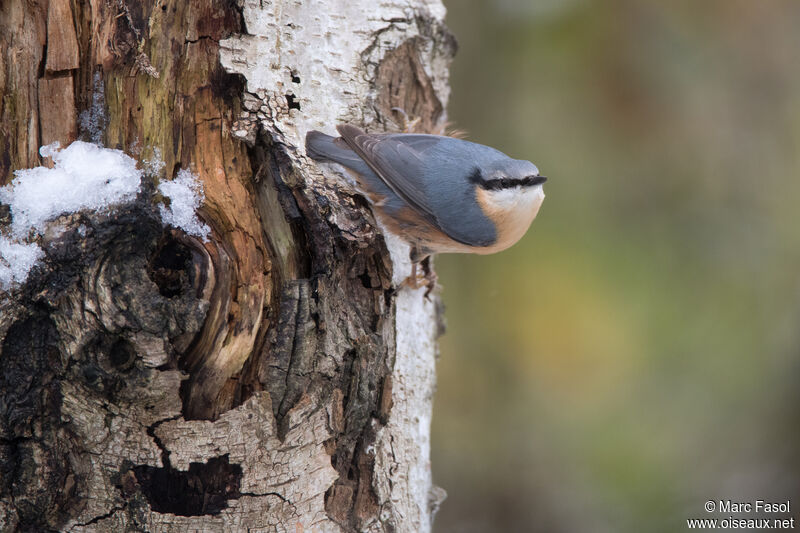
<point>273,378</point>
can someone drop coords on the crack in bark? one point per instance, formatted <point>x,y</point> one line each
<point>151,431</point>
<point>201,38</point>
<point>265,494</point>
<point>103,516</point>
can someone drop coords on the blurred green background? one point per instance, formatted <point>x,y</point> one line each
<point>638,352</point>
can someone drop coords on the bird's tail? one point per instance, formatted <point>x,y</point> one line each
<point>321,147</point>
<point>326,148</point>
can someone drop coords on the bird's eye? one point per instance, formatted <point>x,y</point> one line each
<point>498,184</point>
<point>493,185</point>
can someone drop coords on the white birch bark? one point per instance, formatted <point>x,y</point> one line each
<point>334,47</point>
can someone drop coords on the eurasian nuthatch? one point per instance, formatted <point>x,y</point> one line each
<point>440,194</point>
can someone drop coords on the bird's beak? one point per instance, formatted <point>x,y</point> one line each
<point>538,180</point>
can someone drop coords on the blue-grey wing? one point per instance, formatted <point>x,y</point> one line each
<point>324,147</point>
<point>432,181</point>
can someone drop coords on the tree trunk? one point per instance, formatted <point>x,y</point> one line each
<point>273,378</point>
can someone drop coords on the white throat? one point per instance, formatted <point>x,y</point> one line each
<point>513,210</point>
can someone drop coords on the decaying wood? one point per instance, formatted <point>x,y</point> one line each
<point>272,378</point>
<point>62,49</point>
<point>23,34</point>
<point>58,120</point>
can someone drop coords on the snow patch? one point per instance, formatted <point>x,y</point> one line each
<point>185,195</point>
<point>154,166</point>
<point>16,260</point>
<point>85,176</point>
<point>49,150</point>
<point>93,120</point>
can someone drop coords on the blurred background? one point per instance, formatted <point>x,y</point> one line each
<point>638,352</point>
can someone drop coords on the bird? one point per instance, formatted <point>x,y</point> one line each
<point>438,193</point>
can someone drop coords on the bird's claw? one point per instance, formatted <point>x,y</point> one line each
<point>425,279</point>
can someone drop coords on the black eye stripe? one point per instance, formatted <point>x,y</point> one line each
<point>508,183</point>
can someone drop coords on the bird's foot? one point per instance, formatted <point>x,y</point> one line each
<point>415,280</point>
<point>426,278</point>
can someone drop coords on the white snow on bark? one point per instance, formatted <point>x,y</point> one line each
<point>85,176</point>
<point>185,193</point>
<point>16,261</point>
<point>93,120</point>
<point>322,56</point>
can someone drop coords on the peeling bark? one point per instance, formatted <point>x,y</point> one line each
<point>274,378</point>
